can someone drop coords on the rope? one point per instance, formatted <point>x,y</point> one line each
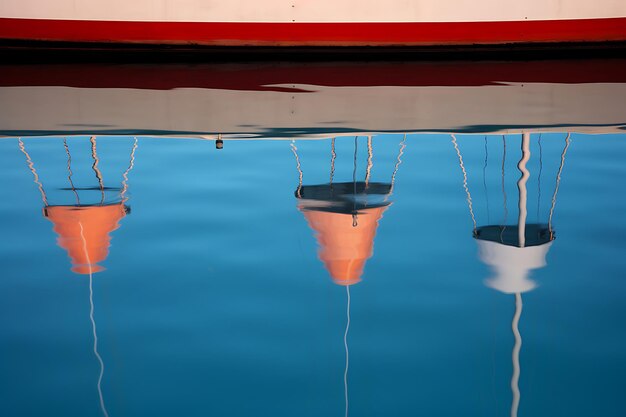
<point>485,179</point>
<point>539,177</point>
<point>299,168</point>
<point>93,323</point>
<point>131,164</point>
<point>345,344</point>
<point>370,163</point>
<point>506,210</point>
<point>396,167</point>
<point>96,161</point>
<point>465,187</point>
<point>333,156</point>
<point>558,183</point>
<point>521,186</point>
<point>31,166</point>
<point>355,221</point>
<point>69,170</point>
<point>515,355</point>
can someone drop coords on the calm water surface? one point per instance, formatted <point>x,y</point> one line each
<point>382,275</point>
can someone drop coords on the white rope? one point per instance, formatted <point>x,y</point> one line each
<point>370,162</point>
<point>96,170</point>
<point>396,167</point>
<point>558,183</point>
<point>333,156</point>
<point>523,194</point>
<point>31,166</point>
<point>298,167</point>
<point>69,170</point>
<point>93,323</point>
<point>131,164</point>
<point>465,186</point>
<point>345,343</point>
<point>515,355</point>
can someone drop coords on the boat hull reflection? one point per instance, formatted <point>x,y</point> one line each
<point>299,100</point>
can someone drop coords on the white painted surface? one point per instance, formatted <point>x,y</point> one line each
<point>312,10</point>
<point>503,107</point>
<point>511,265</point>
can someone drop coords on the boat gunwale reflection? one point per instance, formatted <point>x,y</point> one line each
<point>332,98</point>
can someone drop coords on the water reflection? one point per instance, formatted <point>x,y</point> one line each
<point>346,172</point>
<point>345,217</point>
<point>512,251</point>
<point>84,228</point>
<point>343,213</point>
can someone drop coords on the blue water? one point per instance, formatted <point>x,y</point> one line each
<point>214,301</point>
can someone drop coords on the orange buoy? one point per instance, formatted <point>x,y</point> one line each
<point>84,229</point>
<point>344,247</point>
<point>344,217</point>
<point>84,232</point>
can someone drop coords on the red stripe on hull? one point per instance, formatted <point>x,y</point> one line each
<point>272,77</point>
<point>315,34</point>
